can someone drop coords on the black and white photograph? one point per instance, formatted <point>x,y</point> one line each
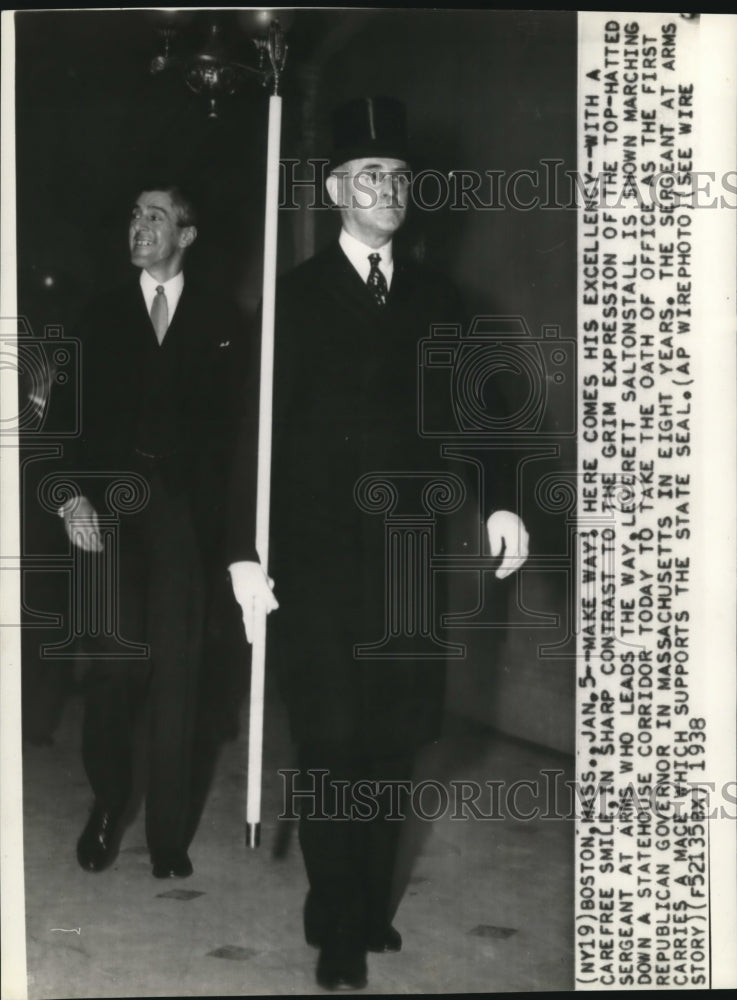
<point>368,537</point>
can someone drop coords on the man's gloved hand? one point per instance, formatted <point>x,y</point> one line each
<point>253,591</point>
<point>507,532</point>
<point>81,525</point>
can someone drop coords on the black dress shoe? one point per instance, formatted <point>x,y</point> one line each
<point>171,864</point>
<point>341,966</point>
<point>387,940</point>
<point>97,847</point>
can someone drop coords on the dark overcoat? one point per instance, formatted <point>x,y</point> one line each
<point>345,405</point>
<point>118,354</point>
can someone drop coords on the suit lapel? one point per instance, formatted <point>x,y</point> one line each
<point>342,281</point>
<point>401,291</point>
<point>179,325</point>
<point>132,326</point>
<point>134,321</point>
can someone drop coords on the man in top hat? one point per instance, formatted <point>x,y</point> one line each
<point>348,325</point>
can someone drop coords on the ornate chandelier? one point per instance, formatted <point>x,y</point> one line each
<point>214,68</point>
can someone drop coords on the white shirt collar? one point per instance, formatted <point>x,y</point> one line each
<point>357,253</point>
<point>172,289</point>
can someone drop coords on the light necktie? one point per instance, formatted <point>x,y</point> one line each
<point>160,313</point>
<point>376,280</point>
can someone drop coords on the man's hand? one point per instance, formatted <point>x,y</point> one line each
<point>507,533</point>
<point>81,525</point>
<point>253,591</point>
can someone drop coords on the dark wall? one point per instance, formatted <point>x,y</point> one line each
<point>93,124</point>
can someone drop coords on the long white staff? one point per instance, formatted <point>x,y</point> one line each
<point>277,54</point>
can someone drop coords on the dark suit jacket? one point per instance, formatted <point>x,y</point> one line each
<point>345,404</point>
<point>206,338</point>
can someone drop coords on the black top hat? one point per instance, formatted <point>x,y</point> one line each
<point>369,126</point>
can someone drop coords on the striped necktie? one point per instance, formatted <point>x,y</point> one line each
<point>376,280</point>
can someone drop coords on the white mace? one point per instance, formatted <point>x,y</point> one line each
<point>277,53</point>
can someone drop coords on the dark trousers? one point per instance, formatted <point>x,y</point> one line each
<point>348,841</point>
<point>160,602</point>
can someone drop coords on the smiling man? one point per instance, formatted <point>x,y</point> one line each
<point>348,325</point>
<point>161,229</point>
<point>158,409</point>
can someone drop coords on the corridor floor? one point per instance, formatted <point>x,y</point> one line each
<point>486,906</point>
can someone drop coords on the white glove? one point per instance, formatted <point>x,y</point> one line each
<point>81,525</point>
<point>253,591</point>
<point>507,532</point>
